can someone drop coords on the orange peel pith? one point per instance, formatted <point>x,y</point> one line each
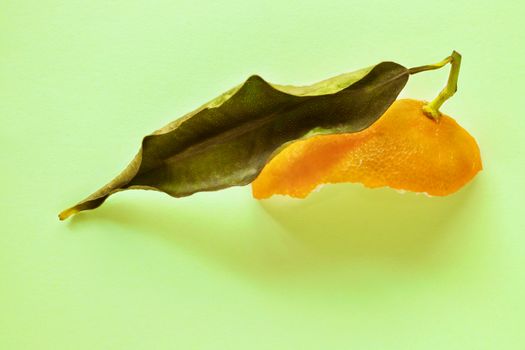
<point>404,150</point>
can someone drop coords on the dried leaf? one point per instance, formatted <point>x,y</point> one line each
<point>227,141</point>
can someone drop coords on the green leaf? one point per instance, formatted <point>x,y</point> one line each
<point>227,141</point>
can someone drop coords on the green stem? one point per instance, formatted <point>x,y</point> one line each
<point>431,109</point>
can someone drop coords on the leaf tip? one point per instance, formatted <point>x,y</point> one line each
<point>67,213</point>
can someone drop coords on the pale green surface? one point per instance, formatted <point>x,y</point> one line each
<point>82,81</point>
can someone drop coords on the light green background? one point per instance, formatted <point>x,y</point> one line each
<point>82,81</point>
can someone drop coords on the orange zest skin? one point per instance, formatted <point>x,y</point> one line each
<point>404,150</point>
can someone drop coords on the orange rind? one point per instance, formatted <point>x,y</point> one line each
<point>404,150</point>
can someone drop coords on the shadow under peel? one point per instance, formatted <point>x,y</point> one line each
<point>340,226</point>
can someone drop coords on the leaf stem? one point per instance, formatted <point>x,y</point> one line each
<point>431,109</point>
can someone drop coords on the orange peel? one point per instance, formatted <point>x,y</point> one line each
<point>404,150</point>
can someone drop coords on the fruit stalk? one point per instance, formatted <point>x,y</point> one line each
<point>431,109</point>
